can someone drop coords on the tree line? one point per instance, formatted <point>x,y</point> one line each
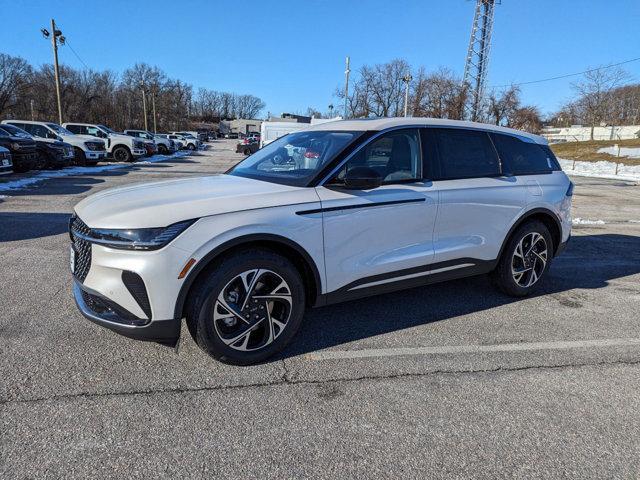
<point>603,97</point>
<point>28,92</point>
<point>379,91</point>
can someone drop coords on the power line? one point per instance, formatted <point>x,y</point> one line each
<point>77,56</point>
<point>566,76</point>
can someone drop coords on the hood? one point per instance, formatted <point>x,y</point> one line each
<point>159,204</point>
<point>122,136</point>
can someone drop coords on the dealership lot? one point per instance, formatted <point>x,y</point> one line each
<point>453,379</point>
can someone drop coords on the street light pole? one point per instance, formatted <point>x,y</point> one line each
<point>407,80</point>
<point>346,88</point>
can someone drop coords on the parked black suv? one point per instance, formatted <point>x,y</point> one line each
<point>23,151</point>
<point>51,153</point>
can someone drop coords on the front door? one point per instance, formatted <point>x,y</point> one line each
<point>382,237</point>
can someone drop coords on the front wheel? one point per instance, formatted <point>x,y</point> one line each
<point>191,147</point>
<point>525,260</point>
<point>122,154</point>
<point>247,308</point>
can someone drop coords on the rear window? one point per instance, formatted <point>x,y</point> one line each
<point>465,154</point>
<point>524,158</point>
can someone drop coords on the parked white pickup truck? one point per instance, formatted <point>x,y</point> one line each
<point>165,145</point>
<point>88,150</point>
<point>121,147</point>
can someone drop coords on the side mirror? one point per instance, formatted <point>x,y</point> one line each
<point>52,135</point>
<point>362,178</point>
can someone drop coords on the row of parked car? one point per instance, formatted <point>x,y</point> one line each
<point>27,145</point>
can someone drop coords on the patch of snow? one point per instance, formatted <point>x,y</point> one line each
<point>624,151</point>
<point>68,171</point>
<point>601,169</point>
<point>634,221</point>
<point>585,221</point>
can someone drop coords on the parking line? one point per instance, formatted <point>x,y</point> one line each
<point>505,347</point>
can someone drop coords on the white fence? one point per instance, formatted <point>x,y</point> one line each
<point>582,134</point>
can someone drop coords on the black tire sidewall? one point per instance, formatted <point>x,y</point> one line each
<point>126,158</point>
<point>503,276</point>
<point>205,333</point>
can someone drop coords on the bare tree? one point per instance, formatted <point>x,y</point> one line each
<point>14,77</point>
<point>595,93</point>
<point>502,106</point>
<point>526,118</point>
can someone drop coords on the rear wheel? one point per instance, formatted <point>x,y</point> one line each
<point>162,149</point>
<point>122,154</point>
<point>525,260</point>
<point>247,308</point>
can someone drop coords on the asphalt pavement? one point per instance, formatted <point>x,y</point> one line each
<point>452,380</point>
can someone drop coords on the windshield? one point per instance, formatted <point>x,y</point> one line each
<point>105,129</point>
<point>15,131</point>
<point>58,129</point>
<point>296,158</point>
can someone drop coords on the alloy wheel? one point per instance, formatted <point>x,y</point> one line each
<point>252,310</point>
<point>529,259</point>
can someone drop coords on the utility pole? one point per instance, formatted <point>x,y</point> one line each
<point>54,43</point>
<point>144,106</point>
<point>153,104</point>
<point>407,80</point>
<point>346,89</point>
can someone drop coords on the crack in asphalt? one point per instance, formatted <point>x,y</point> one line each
<point>285,379</point>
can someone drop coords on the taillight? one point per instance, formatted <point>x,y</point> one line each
<point>570,190</point>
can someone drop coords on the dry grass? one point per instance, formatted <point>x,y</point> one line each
<point>588,151</point>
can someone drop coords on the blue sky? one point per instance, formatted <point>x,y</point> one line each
<point>291,53</point>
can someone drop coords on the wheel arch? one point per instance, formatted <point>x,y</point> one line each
<point>281,245</point>
<point>544,215</point>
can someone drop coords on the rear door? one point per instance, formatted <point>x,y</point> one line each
<point>381,237</point>
<point>478,202</point>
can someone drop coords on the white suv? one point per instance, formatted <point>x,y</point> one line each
<point>336,212</point>
<point>121,147</point>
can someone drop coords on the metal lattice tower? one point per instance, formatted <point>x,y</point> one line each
<point>475,69</point>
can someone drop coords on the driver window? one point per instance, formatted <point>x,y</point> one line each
<point>395,156</point>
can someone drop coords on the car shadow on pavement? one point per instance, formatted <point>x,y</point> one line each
<point>589,262</point>
<point>16,226</point>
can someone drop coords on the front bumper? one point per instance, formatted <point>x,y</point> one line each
<point>139,153</point>
<point>93,155</point>
<point>166,332</point>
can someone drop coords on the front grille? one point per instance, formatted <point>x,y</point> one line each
<point>95,146</point>
<point>81,247</point>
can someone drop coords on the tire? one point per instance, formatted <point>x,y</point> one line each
<point>79,157</point>
<point>191,147</point>
<point>214,327</point>
<point>247,151</point>
<point>521,268</point>
<point>162,149</point>
<point>122,154</point>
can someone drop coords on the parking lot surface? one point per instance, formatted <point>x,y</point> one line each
<point>450,380</point>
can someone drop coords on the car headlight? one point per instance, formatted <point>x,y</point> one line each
<point>16,146</point>
<point>137,239</point>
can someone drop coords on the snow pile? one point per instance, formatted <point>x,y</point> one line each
<point>624,151</point>
<point>584,221</point>
<point>69,171</point>
<point>601,169</point>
